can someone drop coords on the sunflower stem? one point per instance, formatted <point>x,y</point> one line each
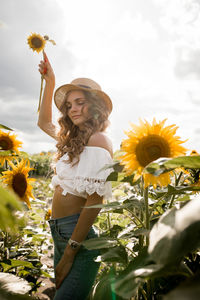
<point>41,89</point>
<point>172,201</point>
<point>176,184</point>
<point>149,294</point>
<point>136,217</point>
<point>141,237</point>
<point>147,219</point>
<point>143,294</point>
<point>108,219</point>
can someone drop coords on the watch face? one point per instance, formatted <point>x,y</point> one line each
<point>74,245</point>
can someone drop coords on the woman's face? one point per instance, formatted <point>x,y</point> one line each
<point>77,107</point>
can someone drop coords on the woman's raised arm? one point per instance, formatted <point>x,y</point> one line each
<point>45,114</point>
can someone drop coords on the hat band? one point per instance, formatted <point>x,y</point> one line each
<point>84,86</point>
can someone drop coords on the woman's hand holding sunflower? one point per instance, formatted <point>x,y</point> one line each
<point>46,70</point>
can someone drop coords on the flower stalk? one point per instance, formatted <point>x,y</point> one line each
<point>41,90</point>
<point>147,219</point>
<point>176,184</point>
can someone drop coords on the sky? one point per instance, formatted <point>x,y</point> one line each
<point>144,54</point>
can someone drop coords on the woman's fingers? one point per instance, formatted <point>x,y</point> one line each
<point>45,69</point>
<point>58,283</point>
<point>41,64</point>
<point>42,67</point>
<point>45,57</point>
<point>62,270</point>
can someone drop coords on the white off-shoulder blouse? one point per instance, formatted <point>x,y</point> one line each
<point>87,176</point>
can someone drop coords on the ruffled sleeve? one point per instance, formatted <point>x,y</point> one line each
<point>90,175</point>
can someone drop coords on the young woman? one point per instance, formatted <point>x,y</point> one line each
<point>79,181</point>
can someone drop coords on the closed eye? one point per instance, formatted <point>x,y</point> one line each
<point>81,102</point>
<point>78,101</point>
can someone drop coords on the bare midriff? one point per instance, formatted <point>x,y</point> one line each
<point>63,206</point>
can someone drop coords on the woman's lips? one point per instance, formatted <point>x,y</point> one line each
<point>76,117</point>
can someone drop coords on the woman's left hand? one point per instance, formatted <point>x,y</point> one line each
<point>63,268</point>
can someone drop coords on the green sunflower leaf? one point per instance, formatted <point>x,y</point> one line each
<point>5,127</point>
<point>177,231</point>
<point>163,165</point>
<point>100,243</point>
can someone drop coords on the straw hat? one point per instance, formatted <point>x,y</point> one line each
<point>83,84</point>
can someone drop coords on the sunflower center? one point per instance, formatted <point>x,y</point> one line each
<point>19,184</point>
<point>6,143</point>
<point>151,148</point>
<point>36,42</point>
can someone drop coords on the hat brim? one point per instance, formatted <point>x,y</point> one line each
<point>61,92</point>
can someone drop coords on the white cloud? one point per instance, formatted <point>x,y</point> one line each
<point>34,143</point>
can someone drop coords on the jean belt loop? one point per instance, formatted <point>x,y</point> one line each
<point>52,222</point>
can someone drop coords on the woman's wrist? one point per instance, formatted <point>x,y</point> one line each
<point>69,252</point>
<point>50,83</point>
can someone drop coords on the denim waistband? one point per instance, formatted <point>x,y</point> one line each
<point>64,220</point>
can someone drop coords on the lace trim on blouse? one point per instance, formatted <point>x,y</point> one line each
<point>86,177</point>
<point>91,186</point>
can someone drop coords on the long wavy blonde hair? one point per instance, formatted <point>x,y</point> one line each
<point>72,139</point>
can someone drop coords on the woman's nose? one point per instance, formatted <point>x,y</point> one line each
<point>73,107</point>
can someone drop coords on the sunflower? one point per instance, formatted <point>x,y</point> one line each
<point>36,42</point>
<point>8,142</point>
<point>48,214</point>
<point>17,179</point>
<point>146,143</point>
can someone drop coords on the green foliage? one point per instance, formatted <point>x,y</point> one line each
<point>149,241</point>
<point>23,233</point>
<point>21,250</point>
<point>41,162</point>
<point>158,248</point>
<point>177,231</point>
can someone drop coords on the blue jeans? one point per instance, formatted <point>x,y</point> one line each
<point>79,281</point>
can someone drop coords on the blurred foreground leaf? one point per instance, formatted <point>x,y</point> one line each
<point>9,205</point>
<point>104,288</point>
<point>13,287</point>
<point>176,234</point>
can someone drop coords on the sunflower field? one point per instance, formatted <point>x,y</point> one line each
<point>149,233</point>
<point>25,241</point>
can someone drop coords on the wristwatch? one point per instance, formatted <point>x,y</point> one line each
<point>73,244</point>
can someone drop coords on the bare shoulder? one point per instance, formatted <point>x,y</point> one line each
<point>99,139</point>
